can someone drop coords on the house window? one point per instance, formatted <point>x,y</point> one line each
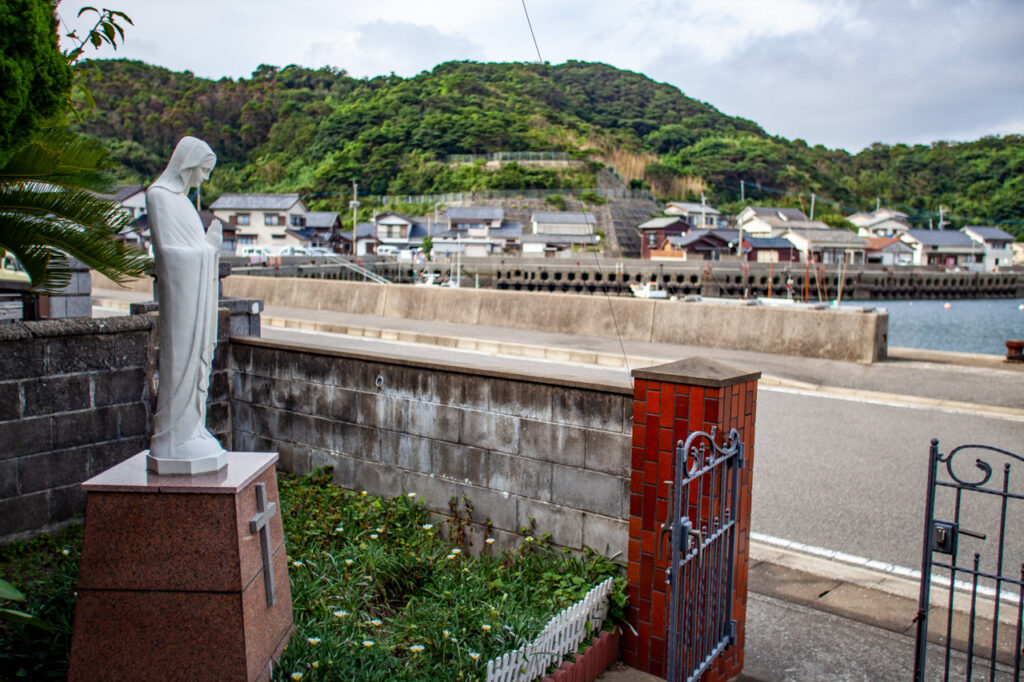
<point>271,219</point>
<point>297,220</point>
<point>277,236</point>
<point>246,241</point>
<point>652,239</point>
<point>390,231</point>
<point>241,219</point>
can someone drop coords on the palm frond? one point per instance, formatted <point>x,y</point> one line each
<point>48,211</point>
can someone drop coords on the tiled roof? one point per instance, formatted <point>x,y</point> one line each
<point>787,214</point>
<point>829,236</point>
<point>693,207</point>
<point>564,217</point>
<point>122,192</point>
<point>940,237</point>
<point>559,239</point>
<point>658,223</point>
<point>990,233</point>
<point>476,213</point>
<point>255,202</point>
<point>769,243</point>
<point>321,218</point>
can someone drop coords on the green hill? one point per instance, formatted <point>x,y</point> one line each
<point>315,131</point>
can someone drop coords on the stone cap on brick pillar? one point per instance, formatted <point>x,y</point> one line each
<point>696,371</point>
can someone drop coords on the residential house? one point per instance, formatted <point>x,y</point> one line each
<point>883,222</point>
<point>770,250</point>
<point>887,251</point>
<point>365,239</point>
<point>477,231</point>
<point>696,214</point>
<point>765,221</point>
<point>559,232</point>
<point>1018,252</point>
<point>323,224</point>
<point>949,248</point>
<point>563,222</point>
<point>827,245</point>
<point>654,231</point>
<point>475,220</point>
<point>694,245</point>
<point>262,219</point>
<point>132,199</point>
<point>998,249</point>
<point>554,245</point>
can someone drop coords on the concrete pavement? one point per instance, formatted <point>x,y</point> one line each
<point>808,618</point>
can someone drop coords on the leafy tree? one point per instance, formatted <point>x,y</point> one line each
<point>35,77</point>
<point>427,246</point>
<point>48,205</point>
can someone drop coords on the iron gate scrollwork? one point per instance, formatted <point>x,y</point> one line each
<point>702,530</point>
<point>977,553</point>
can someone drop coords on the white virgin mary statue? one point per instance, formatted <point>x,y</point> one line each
<point>187,261</point>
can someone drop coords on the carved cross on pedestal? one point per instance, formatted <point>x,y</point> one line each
<point>261,524</point>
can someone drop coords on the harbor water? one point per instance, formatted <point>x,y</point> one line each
<point>962,325</point>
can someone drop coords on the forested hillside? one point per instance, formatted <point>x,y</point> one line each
<point>315,131</point>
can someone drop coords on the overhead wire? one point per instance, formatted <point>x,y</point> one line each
<point>574,192</point>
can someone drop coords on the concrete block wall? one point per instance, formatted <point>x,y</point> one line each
<point>76,398</point>
<point>518,447</point>
<point>74,401</point>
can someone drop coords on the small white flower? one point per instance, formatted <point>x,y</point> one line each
<point>65,551</point>
<point>456,551</point>
<point>340,613</point>
<point>367,643</point>
<point>296,676</point>
<point>374,536</point>
<point>446,634</point>
<point>363,493</point>
<point>412,495</point>
<point>315,664</point>
<point>380,529</point>
<point>486,627</point>
<point>339,529</point>
<point>416,648</point>
<point>348,562</point>
<point>376,622</point>
<point>529,538</point>
<point>297,563</point>
<point>450,556</point>
<point>474,655</point>
<point>489,541</point>
<point>313,640</point>
<point>428,526</point>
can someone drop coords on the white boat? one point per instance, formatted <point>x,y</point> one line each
<point>648,290</point>
<point>428,279</point>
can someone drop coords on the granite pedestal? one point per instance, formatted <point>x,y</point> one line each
<point>173,581</point>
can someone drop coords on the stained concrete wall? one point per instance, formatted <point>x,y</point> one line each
<point>833,334</point>
<point>518,447</point>
<point>77,397</point>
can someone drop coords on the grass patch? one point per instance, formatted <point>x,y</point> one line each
<point>378,591</point>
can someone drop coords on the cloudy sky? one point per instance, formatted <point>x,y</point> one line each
<point>842,73</point>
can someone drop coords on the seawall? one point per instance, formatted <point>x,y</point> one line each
<point>850,335</point>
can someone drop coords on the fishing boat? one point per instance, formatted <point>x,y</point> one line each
<point>648,290</point>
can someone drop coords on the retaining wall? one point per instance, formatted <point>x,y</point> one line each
<point>832,334</point>
<point>518,447</point>
<point>76,397</point>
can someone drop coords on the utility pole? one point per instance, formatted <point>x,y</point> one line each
<point>812,205</point>
<point>940,217</point>
<point>743,195</point>
<point>878,203</point>
<point>354,205</point>
<point>703,213</point>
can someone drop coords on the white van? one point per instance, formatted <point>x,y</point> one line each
<point>387,250</point>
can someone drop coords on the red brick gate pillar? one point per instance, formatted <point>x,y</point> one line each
<point>670,401</point>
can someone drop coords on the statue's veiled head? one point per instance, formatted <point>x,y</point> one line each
<point>190,164</point>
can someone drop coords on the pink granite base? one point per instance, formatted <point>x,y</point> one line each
<point>171,580</point>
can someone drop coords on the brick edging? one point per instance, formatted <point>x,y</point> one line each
<point>594,661</point>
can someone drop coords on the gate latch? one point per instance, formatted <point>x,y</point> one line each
<point>946,535</point>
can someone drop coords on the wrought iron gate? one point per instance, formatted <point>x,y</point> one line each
<point>702,536</point>
<point>977,551</point>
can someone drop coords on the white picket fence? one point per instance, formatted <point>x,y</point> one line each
<point>562,634</point>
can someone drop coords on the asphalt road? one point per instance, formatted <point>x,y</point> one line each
<point>851,476</point>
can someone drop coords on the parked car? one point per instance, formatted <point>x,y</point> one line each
<point>292,251</point>
<point>319,251</point>
<point>387,250</point>
<point>258,251</point>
